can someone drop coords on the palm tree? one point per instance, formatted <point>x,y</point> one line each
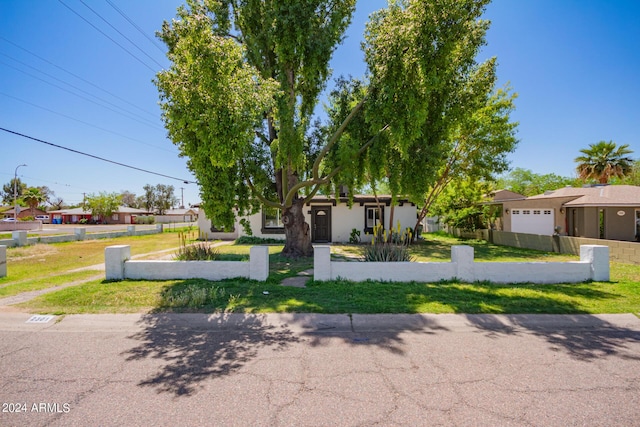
<point>33,197</point>
<point>603,161</point>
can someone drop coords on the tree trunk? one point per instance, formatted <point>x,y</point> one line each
<point>297,232</point>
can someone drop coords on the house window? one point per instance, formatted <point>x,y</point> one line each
<point>373,215</point>
<point>272,221</point>
<point>114,217</point>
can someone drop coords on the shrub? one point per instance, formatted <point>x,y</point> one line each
<point>355,236</point>
<point>145,219</point>
<point>388,245</point>
<point>195,252</point>
<point>254,240</point>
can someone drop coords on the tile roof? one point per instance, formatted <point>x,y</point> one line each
<point>608,195</point>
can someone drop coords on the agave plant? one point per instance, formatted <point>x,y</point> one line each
<point>388,245</point>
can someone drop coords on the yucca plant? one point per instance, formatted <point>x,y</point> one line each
<point>389,245</point>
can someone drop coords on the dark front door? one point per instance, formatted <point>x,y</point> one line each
<point>320,224</point>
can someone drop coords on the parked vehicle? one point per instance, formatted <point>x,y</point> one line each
<point>43,218</point>
<point>8,220</point>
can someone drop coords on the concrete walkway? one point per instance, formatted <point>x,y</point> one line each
<point>321,370</point>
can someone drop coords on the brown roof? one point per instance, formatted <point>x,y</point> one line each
<point>506,195</point>
<point>608,195</point>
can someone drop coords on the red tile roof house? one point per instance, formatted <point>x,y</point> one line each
<point>610,212</point>
<point>124,215</point>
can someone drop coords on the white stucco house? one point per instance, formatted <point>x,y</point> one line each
<point>330,219</point>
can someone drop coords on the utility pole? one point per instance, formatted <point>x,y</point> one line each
<point>15,196</point>
<point>182,193</point>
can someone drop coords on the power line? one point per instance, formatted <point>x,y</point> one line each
<point>85,123</point>
<point>124,15</point>
<point>107,36</point>
<point>118,31</point>
<point>139,118</point>
<point>77,76</point>
<point>96,157</point>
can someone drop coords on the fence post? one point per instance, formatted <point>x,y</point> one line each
<point>20,237</point>
<point>322,262</point>
<point>131,230</point>
<point>3,261</point>
<point>114,259</point>
<point>598,257</point>
<point>81,233</point>
<point>462,255</point>
<point>259,263</point>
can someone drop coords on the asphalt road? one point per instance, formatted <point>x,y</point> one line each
<point>92,228</point>
<point>316,370</point>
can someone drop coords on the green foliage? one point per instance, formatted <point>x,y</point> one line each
<point>603,161</point>
<point>354,237</point>
<point>7,190</point>
<point>528,183</point>
<point>193,296</point>
<point>103,204</point>
<point>254,240</point>
<point>389,245</point>
<point>246,227</point>
<point>158,198</point>
<point>459,206</point>
<point>144,219</point>
<point>33,197</point>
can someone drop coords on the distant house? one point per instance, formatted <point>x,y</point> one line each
<point>178,215</point>
<point>124,215</point>
<point>330,219</point>
<point>605,211</point>
<point>22,212</point>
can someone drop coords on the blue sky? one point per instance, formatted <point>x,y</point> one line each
<point>574,64</point>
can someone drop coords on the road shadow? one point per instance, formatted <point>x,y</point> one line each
<point>583,337</point>
<point>381,330</point>
<point>194,347</point>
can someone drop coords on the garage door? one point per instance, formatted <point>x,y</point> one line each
<point>532,221</point>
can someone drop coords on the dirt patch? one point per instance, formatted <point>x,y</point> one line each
<point>38,252</point>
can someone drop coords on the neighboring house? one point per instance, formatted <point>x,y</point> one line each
<point>609,212</point>
<point>124,215</point>
<point>23,212</point>
<point>178,215</point>
<point>330,219</point>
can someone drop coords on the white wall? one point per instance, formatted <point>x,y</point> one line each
<point>593,265</point>
<point>343,220</point>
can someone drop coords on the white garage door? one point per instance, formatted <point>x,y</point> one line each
<point>532,221</point>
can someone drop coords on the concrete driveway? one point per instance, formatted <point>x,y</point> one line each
<point>316,370</point>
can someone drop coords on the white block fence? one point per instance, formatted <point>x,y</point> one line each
<point>593,265</point>
<point>119,266</point>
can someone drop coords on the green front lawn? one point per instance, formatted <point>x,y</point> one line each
<point>621,295</point>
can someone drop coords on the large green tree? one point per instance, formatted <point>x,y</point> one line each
<point>446,120</point>
<point>102,205</point>
<point>603,161</point>
<point>7,190</point>
<point>33,197</point>
<point>245,78</point>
